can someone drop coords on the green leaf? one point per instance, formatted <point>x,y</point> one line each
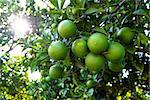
<point>61,3</point>
<point>42,56</point>
<point>82,3</point>
<point>63,92</point>
<point>107,3</point>
<point>90,92</point>
<point>101,9</point>
<point>138,41</point>
<point>2,1</point>
<point>34,65</point>
<point>53,12</point>
<point>138,66</point>
<point>99,29</point>
<point>66,3</point>
<point>55,3</point>
<point>140,12</point>
<point>143,39</point>
<point>36,61</point>
<point>67,60</point>
<point>104,17</point>
<point>91,10</point>
<point>73,2</point>
<point>131,49</point>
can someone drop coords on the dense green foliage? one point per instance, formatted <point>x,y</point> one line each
<point>89,16</point>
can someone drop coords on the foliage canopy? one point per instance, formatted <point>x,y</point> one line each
<point>89,16</point>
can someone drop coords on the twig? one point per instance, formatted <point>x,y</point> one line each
<point>113,13</point>
<point>103,70</point>
<point>118,7</point>
<point>12,47</point>
<point>145,50</point>
<point>102,2</point>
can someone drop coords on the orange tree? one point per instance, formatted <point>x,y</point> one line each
<point>84,49</point>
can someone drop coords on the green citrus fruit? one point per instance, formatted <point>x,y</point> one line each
<point>57,50</point>
<point>55,72</point>
<point>115,66</point>
<point>94,62</point>
<point>97,43</point>
<point>90,83</point>
<point>48,78</point>
<point>67,28</point>
<point>79,48</point>
<point>116,52</point>
<point>125,35</point>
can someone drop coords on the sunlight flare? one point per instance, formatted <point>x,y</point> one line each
<point>34,76</point>
<point>19,25</point>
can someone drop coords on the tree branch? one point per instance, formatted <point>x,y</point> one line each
<point>113,13</point>
<point>118,7</point>
<point>12,47</point>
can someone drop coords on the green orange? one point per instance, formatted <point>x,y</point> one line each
<point>97,43</point>
<point>90,83</point>
<point>57,50</point>
<point>67,28</point>
<point>94,63</point>
<point>48,78</point>
<point>55,72</point>
<point>115,66</point>
<point>79,48</point>
<point>125,35</point>
<point>115,52</point>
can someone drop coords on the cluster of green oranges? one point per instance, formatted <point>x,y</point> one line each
<point>97,50</point>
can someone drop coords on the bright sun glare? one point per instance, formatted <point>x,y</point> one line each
<point>19,25</point>
<point>34,76</point>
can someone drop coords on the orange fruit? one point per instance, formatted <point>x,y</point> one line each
<point>97,43</point>
<point>57,50</point>
<point>125,35</point>
<point>79,48</point>
<point>115,66</point>
<point>90,83</point>
<point>116,52</point>
<point>48,78</point>
<point>94,62</point>
<point>67,28</point>
<point>55,72</point>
